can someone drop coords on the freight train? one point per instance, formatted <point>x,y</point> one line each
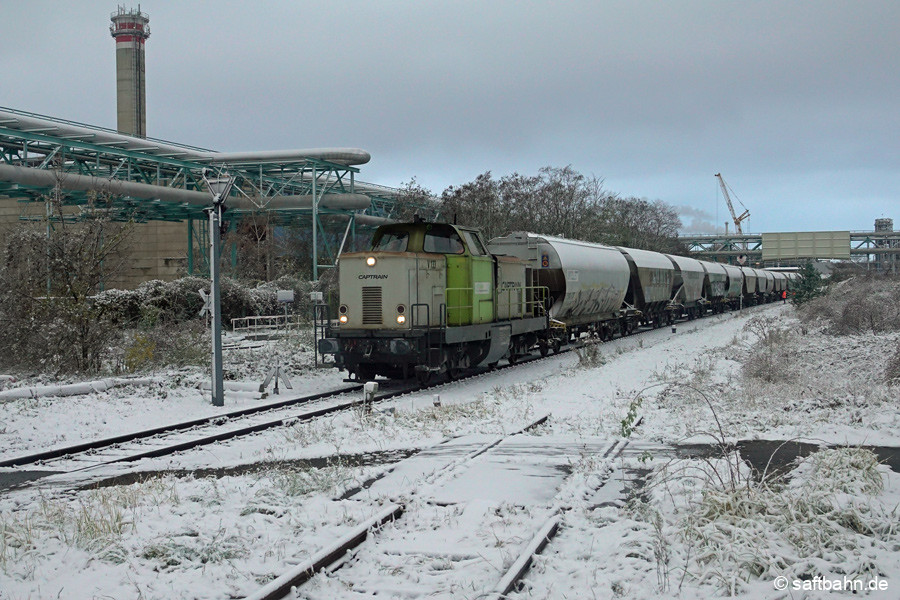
<point>433,299</point>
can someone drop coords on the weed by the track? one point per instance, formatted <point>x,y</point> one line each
<point>719,523</point>
<point>489,412</point>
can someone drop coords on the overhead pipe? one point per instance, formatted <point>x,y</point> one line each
<point>145,191</point>
<point>363,219</point>
<point>104,137</point>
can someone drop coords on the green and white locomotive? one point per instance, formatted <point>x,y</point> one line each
<point>429,298</point>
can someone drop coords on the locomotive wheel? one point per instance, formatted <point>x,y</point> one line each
<point>457,367</point>
<point>365,373</point>
<point>544,349</point>
<point>423,377</point>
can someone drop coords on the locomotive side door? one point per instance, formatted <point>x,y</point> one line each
<point>481,277</point>
<point>426,285</point>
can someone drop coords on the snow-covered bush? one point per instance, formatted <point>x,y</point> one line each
<point>164,345</point>
<point>179,301</point>
<point>825,519</point>
<point>892,371</point>
<point>301,288</point>
<point>121,307</point>
<point>590,356</point>
<point>47,278</point>
<point>857,305</point>
<point>769,359</point>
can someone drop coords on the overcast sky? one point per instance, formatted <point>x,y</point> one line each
<point>796,103</point>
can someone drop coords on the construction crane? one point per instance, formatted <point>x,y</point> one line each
<point>734,216</point>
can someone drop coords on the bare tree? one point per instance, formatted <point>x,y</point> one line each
<point>476,203</point>
<point>562,201</point>
<point>414,199</point>
<point>49,274</point>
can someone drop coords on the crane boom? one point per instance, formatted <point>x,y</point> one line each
<point>734,216</point>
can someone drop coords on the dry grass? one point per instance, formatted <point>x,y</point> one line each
<point>824,517</point>
<point>857,305</point>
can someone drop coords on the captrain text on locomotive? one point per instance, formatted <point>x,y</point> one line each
<point>433,298</point>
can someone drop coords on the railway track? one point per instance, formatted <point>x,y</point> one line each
<point>178,437</point>
<point>135,445</point>
<point>435,536</point>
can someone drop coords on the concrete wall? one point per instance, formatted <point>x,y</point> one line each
<point>156,250</point>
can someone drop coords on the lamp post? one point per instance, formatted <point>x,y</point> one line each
<point>219,187</point>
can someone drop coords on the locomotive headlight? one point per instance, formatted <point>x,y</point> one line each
<point>343,318</point>
<point>370,261</point>
<point>401,319</point>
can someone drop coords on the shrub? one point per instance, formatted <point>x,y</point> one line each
<point>139,353</point>
<point>301,288</point>
<point>892,371</point>
<point>120,307</point>
<point>166,345</point>
<point>179,301</point>
<point>858,305</point>
<point>65,334</point>
<point>590,356</point>
<point>810,285</point>
<point>770,358</point>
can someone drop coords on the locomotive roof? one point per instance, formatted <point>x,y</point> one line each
<point>418,231</point>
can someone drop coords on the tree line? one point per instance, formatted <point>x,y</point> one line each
<point>557,201</point>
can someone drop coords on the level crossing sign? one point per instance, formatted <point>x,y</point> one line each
<point>206,311</point>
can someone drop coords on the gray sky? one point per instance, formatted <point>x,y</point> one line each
<point>796,103</point>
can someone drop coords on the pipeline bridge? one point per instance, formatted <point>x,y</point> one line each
<point>152,180</point>
<point>878,249</point>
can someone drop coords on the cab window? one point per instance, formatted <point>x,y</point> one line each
<point>443,241</point>
<point>474,243</point>
<point>392,242</point>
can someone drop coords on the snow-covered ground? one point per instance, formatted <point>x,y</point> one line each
<point>220,521</point>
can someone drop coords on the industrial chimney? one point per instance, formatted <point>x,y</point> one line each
<point>130,28</point>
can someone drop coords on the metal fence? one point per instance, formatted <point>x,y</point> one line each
<point>260,323</point>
